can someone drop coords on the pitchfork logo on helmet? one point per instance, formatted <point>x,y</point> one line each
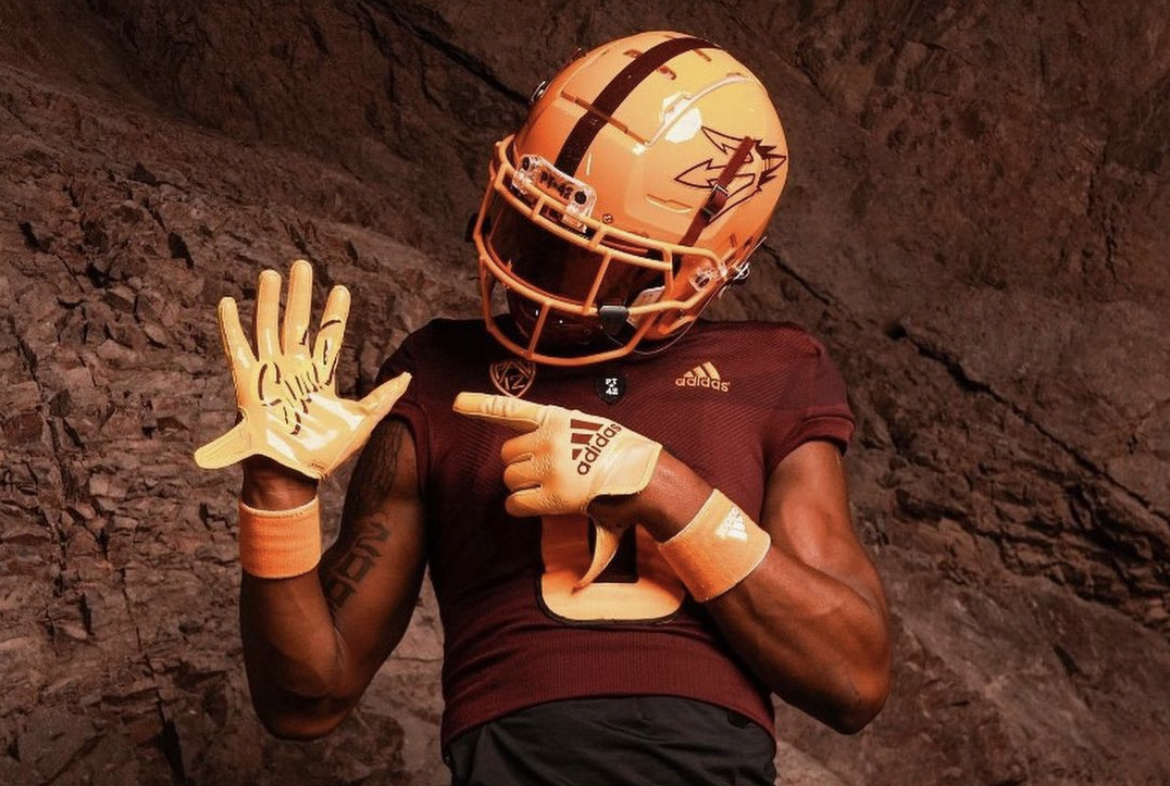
<point>643,178</point>
<point>746,183</point>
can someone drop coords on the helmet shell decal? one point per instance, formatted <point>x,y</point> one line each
<point>747,183</point>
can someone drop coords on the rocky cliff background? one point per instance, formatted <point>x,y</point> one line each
<point>975,223</point>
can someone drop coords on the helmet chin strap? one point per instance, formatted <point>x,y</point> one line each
<point>669,342</point>
<point>705,214</point>
<point>719,195</point>
<point>666,343</point>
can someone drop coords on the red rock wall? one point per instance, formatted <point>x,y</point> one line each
<point>974,222</point>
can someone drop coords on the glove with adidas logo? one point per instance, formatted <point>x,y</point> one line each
<point>563,460</point>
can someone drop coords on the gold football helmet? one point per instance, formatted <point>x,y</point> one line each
<point>642,180</point>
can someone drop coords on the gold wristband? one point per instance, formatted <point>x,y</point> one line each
<point>717,549</point>
<point>278,544</point>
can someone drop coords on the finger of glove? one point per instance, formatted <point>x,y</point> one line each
<point>525,446</point>
<point>294,335</point>
<point>227,449</point>
<point>530,502</point>
<point>327,346</point>
<point>523,473</point>
<point>235,343</point>
<point>512,412</point>
<point>381,399</point>
<point>267,314</point>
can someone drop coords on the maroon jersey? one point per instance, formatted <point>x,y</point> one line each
<point>730,400</point>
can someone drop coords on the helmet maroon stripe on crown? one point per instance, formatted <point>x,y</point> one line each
<point>611,97</point>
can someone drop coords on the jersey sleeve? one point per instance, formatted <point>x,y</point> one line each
<point>409,407</point>
<point>815,406</point>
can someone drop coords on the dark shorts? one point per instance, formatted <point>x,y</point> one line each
<point>651,740</point>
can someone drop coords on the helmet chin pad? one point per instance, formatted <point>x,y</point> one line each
<point>564,334</point>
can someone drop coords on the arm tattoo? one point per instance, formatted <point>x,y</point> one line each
<point>365,529</point>
<point>347,573</point>
<point>374,473</point>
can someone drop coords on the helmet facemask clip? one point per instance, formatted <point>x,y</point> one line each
<point>613,319</point>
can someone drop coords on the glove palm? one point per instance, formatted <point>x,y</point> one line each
<point>286,391</point>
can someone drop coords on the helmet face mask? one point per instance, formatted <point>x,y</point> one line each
<point>610,228</point>
<point>566,265</point>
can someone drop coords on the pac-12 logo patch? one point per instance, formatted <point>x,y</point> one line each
<point>513,377</point>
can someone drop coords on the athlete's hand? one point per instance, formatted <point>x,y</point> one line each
<point>286,392</point>
<point>564,459</point>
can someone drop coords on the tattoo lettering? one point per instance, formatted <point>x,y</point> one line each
<point>356,563</point>
<point>364,525</point>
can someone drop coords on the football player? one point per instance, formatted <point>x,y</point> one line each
<point>636,520</point>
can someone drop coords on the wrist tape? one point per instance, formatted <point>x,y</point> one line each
<point>279,544</point>
<point>717,549</point>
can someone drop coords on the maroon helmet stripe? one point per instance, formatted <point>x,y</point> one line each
<point>611,97</point>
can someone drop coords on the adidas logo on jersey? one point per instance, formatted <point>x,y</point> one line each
<point>703,376</point>
<point>732,527</point>
<point>590,437</point>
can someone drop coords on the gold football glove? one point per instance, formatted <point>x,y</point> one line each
<point>563,460</point>
<point>286,392</point>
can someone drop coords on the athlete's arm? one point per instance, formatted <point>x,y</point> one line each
<point>312,643</point>
<point>811,620</point>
